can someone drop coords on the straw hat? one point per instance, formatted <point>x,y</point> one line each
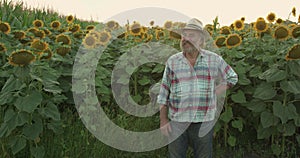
<point>193,24</point>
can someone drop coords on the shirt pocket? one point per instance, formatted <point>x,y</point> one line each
<point>180,96</point>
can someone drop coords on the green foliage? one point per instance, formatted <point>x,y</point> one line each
<point>38,117</point>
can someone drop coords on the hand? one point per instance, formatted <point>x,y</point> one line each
<point>221,90</point>
<point>165,127</point>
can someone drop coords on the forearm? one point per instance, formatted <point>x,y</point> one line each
<point>220,89</point>
<point>163,113</point>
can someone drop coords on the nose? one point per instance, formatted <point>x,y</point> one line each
<point>185,38</point>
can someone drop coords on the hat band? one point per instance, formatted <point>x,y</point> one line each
<point>194,26</point>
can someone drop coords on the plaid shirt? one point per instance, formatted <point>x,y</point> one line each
<point>189,92</point>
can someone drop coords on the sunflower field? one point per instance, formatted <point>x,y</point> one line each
<point>38,48</point>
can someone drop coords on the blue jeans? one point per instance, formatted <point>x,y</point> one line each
<point>202,146</point>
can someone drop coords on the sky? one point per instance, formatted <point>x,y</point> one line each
<point>159,11</point>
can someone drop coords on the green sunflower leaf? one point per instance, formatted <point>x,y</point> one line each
<point>30,102</point>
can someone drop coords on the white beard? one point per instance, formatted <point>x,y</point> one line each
<point>190,49</point>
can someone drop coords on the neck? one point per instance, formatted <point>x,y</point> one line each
<point>192,55</point>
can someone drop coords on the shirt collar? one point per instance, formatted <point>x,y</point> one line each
<point>202,53</point>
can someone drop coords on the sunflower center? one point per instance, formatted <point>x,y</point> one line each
<point>296,32</point>
<point>19,35</point>
<point>295,52</point>
<point>90,41</point>
<point>70,18</point>
<point>233,40</point>
<point>111,24</point>
<point>238,25</point>
<point>64,39</point>
<point>103,37</point>
<point>4,27</point>
<point>168,25</point>
<point>281,33</point>
<point>136,29</point>
<point>55,24</point>
<point>261,25</point>
<point>220,41</point>
<point>40,34</point>
<point>63,50</point>
<point>38,24</point>
<point>39,45</point>
<point>22,58</point>
<point>75,28</point>
<point>225,31</point>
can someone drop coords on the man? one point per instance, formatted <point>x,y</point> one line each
<point>191,83</point>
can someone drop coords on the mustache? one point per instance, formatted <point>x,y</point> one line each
<point>187,42</point>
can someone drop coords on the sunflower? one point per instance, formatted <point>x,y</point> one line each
<point>104,37</point>
<point>26,41</point>
<point>90,27</point>
<point>293,53</point>
<point>145,29</point>
<point>279,21</point>
<point>135,29</point>
<point>19,34</point>
<point>281,32</point>
<point>79,34</point>
<point>47,32</point>
<point>178,25</point>
<point>62,30</point>
<point>64,39</point>
<point>149,37</point>
<point>151,23</point>
<point>38,23</point>
<point>2,47</point>
<point>55,24</point>
<point>63,50</point>
<point>220,41</point>
<point>243,19</point>
<point>209,28</point>
<point>32,30</point>
<point>238,25</point>
<point>4,27</point>
<point>89,41</point>
<point>291,25</point>
<point>174,35</point>
<point>39,54</point>
<point>168,24</point>
<point>112,25</point>
<point>299,19</point>
<point>49,54</point>
<point>94,33</point>
<point>225,30</point>
<point>123,35</point>
<point>21,58</point>
<point>74,28</point>
<point>295,32</point>
<point>271,17</point>
<point>294,11</point>
<point>159,33</point>
<point>70,19</point>
<point>233,40</point>
<point>39,45</point>
<point>40,34</point>
<point>260,25</point>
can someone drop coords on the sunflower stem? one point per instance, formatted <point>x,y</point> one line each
<point>135,84</point>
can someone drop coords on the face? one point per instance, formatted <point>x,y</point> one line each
<point>191,40</point>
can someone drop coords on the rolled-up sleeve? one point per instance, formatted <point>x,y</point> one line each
<point>228,73</point>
